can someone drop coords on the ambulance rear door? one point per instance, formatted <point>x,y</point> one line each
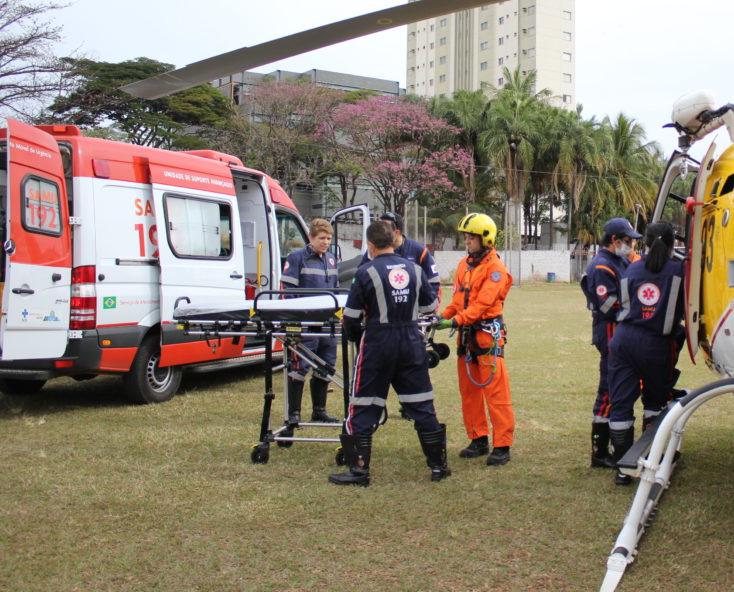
<point>349,242</point>
<point>200,255</point>
<point>36,255</point>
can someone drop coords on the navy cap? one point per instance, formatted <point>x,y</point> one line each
<point>620,227</point>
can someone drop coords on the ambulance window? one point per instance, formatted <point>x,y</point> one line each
<point>41,207</point>
<point>290,234</point>
<point>198,227</point>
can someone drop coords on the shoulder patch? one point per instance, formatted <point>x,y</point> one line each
<point>601,290</point>
<point>495,276</point>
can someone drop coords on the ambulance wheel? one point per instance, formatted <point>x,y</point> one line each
<point>340,459</point>
<point>260,455</point>
<point>146,382</point>
<point>15,386</point>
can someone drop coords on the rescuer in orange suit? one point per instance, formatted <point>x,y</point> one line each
<point>481,285</point>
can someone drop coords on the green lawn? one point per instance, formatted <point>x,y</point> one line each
<point>96,494</point>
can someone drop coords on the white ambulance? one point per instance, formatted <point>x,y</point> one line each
<point>101,238</point>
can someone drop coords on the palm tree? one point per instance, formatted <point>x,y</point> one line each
<point>467,111</point>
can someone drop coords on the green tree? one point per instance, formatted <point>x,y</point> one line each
<point>178,121</point>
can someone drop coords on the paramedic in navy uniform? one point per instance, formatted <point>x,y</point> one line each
<point>312,267</point>
<point>600,284</point>
<point>412,251</point>
<point>387,294</point>
<point>646,343</point>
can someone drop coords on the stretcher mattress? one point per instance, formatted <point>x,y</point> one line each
<point>300,309</point>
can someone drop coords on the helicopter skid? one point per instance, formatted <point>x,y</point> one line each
<point>655,468</point>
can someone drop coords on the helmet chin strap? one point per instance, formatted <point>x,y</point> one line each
<point>475,258</point>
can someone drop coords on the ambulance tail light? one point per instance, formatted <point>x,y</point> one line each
<point>83,298</point>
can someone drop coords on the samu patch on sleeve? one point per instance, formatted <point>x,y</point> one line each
<point>495,276</point>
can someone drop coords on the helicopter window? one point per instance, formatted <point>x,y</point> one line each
<point>675,213</point>
<point>728,186</point>
<point>715,188</point>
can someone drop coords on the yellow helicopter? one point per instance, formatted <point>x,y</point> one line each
<point>701,216</point>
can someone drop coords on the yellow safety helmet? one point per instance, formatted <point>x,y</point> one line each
<point>480,224</point>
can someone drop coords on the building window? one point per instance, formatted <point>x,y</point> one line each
<point>524,72</point>
<point>501,41</point>
<point>433,28</point>
<point>485,6</point>
<point>442,78</point>
<point>500,61</point>
<point>430,64</point>
<point>565,56</point>
<point>501,20</point>
<point>430,82</point>
<point>567,15</point>
<point>442,60</point>
<point>443,22</point>
<point>531,9</point>
<point>442,41</point>
<point>412,68</point>
<point>412,87</point>
<point>567,78</point>
<point>483,66</point>
<point>566,35</point>
<point>484,26</point>
<point>500,81</point>
<point>412,51</point>
<point>483,45</point>
<point>432,46</point>
<point>531,52</point>
<point>566,99</point>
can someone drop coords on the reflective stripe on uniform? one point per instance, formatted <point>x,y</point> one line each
<point>650,413</point>
<point>435,280</point>
<point>621,425</point>
<point>364,401</point>
<point>672,302</point>
<point>608,303</point>
<point>416,398</point>
<point>313,271</point>
<point>286,279</point>
<point>418,284</point>
<point>379,293</point>
<point>625,292</point>
<point>352,313</point>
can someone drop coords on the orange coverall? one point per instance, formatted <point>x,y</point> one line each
<point>488,284</point>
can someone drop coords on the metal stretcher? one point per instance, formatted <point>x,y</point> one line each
<point>272,317</point>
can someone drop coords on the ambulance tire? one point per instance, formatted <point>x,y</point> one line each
<point>146,382</point>
<point>15,386</point>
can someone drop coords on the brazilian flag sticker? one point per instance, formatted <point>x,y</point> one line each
<point>109,302</point>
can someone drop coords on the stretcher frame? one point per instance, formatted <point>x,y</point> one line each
<point>290,331</point>
<point>653,459</point>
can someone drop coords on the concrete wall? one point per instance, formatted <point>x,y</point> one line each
<point>535,265</point>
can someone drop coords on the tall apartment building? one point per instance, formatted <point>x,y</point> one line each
<point>469,49</point>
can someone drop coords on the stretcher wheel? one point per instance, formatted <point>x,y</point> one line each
<point>287,434</point>
<point>442,349</point>
<point>433,359</point>
<point>340,459</point>
<point>260,454</point>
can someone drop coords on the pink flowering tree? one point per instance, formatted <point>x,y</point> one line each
<point>402,151</point>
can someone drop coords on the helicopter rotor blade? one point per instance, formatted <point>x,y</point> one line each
<point>246,58</point>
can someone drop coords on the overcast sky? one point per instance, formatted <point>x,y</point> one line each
<point>634,57</point>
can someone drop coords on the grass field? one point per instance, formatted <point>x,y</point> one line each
<point>96,494</point>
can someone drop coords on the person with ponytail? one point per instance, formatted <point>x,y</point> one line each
<point>647,341</point>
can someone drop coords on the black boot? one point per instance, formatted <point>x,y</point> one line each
<point>500,455</point>
<point>357,452</point>
<point>295,394</point>
<point>403,413</point>
<point>622,441</point>
<point>648,421</point>
<point>600,456</point>
<point>434,447</point>
<point>477,447</point>
<point>318,400</point>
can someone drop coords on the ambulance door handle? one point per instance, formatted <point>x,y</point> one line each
<point>236,276</point>
<point>55,277</point>
<point>23,291</point>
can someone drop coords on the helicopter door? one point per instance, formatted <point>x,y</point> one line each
<point>350,240</point>
<point>695,250</point>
